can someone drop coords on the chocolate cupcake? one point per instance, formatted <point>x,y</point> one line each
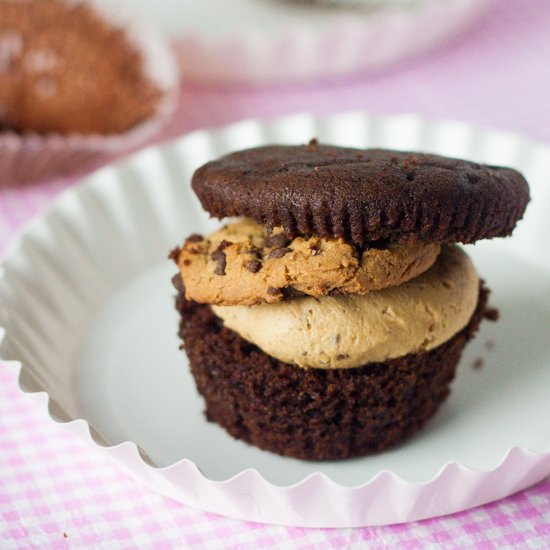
<point>80,81</point>
<point>327,322</point>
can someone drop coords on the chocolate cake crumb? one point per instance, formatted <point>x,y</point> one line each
<point>177,283</point>
<point>492,314</point>
<point>312,145</point>
<point>279,252</point>
<point>478,363</point>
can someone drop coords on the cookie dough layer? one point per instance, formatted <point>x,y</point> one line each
<point>338,332</point>
<point>241,265</point>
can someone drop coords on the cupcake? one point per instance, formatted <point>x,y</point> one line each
<point>79,82</point>
<point>328,319</point>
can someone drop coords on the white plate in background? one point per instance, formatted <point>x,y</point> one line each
<point>280,40</point>
<point>87,306</point>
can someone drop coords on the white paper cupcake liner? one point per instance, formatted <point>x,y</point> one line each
<point>259,42</point>
<point>87,308</point>
<point>30,157</point>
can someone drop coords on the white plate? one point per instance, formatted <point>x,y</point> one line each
<point>267,40</point>
<point>87,304</point>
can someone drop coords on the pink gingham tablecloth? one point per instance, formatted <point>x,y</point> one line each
<point>55,492</point>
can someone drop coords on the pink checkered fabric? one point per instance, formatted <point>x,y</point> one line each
<point>55,492</point>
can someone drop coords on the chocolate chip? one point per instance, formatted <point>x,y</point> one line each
<point>174,254</point>
<point>253,265</point>
<point>314,247</point>
<point>277,241</point>
<point>342,356</point>
<point>219,256</point>
<point>291,292</point>
<point>187,261</point>
<point>223,245</point>
<point>216,254</point>
<point>194,238</point>
<point>220,268</point>
<point>278,253</point>
<point>272,291</point>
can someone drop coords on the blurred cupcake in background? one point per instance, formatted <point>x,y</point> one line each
<point>80,81</point>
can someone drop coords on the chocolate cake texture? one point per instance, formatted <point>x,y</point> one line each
<point>364,195</point>
<point>315,414</point>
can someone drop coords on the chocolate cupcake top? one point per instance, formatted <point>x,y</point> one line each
<point>65,69</point>
<point>364,196</point>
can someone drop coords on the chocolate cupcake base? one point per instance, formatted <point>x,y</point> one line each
<point>315,414</point>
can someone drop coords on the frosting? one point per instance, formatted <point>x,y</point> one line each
<point>349,331</point>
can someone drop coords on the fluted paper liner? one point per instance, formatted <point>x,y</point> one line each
<point>283,41</point>
<point>30,157</point>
